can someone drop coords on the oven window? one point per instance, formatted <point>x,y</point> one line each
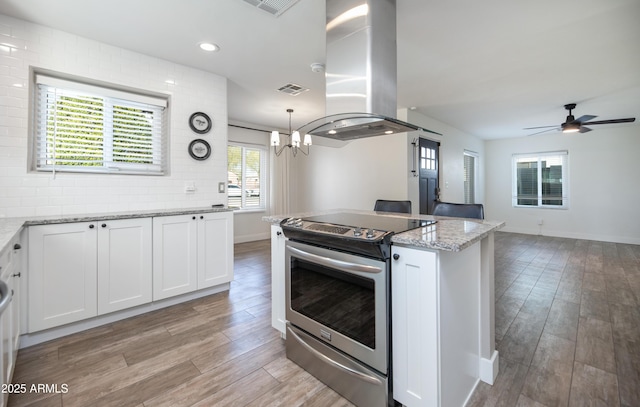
<point>341,301</point>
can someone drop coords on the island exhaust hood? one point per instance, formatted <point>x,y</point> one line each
<point>361,76</point>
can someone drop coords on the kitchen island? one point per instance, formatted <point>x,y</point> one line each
<point>442,306</point>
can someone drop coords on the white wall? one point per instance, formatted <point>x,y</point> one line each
<point>604,189</point>
<point>354,176</point>
<point>248,225</point>
<point>24,193</point>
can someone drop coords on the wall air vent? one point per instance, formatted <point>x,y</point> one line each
<point>292,89</point>
<point>273,7</point>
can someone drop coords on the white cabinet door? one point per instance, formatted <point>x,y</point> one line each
<point>278,317</point>
<point>62,274</point>
<point>124,264</point>
<point>415,327</point>
<point>175,253</point>
<point>215,248</point>
<point>6,323</point>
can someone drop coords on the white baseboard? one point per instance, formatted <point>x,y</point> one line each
<point>489,368</point>
<point>58,332</point>
<point>252,237</point>
<point>572,235</point>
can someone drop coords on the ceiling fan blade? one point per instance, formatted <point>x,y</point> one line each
<point>539,127</point>
<point>543,131</point>
<point>627,120</point>
<point>585,118</point>
<point>583,129</point>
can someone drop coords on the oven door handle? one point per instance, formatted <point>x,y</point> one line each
<point>338,264</point>
<point>329,361</point>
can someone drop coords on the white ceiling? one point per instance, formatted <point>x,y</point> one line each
<point>489,68</point>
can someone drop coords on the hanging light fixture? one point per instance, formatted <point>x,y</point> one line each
<point>293,140</point>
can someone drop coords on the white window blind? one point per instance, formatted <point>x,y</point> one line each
<point>87,128</point>
<point>469,177</point>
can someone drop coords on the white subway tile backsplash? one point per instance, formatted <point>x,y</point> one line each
<point>27,193</point>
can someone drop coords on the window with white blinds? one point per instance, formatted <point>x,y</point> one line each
<point>541,180</point>
<point>82,127</point>
<point>470,165</point>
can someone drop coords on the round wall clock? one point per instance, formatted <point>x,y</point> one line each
<point>199,149</point>
<point>200,122</point>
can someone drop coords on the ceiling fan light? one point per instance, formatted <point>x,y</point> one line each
<point>570,128</point>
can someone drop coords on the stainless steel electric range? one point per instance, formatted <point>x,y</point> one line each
<point>338,299</point>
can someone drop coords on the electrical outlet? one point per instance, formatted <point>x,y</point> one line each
<point>221,187</point>
<point>189,187</point>
<point>540,221</point>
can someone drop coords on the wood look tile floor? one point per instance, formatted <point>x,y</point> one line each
<point>567,329</point>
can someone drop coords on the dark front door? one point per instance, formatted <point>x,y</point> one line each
<point>428,154</point>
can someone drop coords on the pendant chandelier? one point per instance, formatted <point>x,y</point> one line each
<point>293,140</point>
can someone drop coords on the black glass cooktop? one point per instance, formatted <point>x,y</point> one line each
<point>378,222</point>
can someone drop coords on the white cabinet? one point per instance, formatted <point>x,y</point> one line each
<point>191,252</point>
<point>124,264</point>
<point>10,319</point>
<point>278,317</point>
<point>215,249</point>
<point>81,270</point>
<point>435,325</point>
<point>62,274</point>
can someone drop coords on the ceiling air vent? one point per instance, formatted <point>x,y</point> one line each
<point>292,89</point>
<point>273,7</point>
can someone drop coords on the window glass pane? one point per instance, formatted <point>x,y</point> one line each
<point>252,177</point>
<point>527,185</point>
<point>551,180</point>
<point>469,178</point>
<point>234,173</point>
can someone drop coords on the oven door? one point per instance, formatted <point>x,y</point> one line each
<point>340,299</point>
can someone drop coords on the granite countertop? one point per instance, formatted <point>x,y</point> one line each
<point>449,234</point>
<point>10,227</point>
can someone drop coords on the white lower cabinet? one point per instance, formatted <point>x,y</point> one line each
<point>278,289</point>
<point>124,264</point>
<point>81,270</point>
<point>10,273</point>
<point>62,274</point>
<point>435,325</point>
<point>414,299</point>
<point>191,252</point>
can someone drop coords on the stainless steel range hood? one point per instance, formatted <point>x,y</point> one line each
<point>360,72</point>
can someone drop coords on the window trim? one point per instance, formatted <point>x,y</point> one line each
<point>264,163</point>
<point>131,96</point>
<point>564,154</point>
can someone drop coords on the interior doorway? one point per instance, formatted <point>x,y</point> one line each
<point>429,168</point>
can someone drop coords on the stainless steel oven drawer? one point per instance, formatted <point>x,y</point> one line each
<point>355,382</point>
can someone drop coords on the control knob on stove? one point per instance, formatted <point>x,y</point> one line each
<point>296,223</point>
<point>370,234</point>
<point>357,231</point>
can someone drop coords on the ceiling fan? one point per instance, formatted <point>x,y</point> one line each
<point>573,125</point>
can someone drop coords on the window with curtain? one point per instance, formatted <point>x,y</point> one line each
<point>246,169</point>
<point>83,127</point>
<point>470,171</point>
<point>541,180</point>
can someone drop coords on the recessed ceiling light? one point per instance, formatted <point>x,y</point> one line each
<point>207,46</point>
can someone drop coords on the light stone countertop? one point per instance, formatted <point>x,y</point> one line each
<point>10,227</point>
<point>449,234</point>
